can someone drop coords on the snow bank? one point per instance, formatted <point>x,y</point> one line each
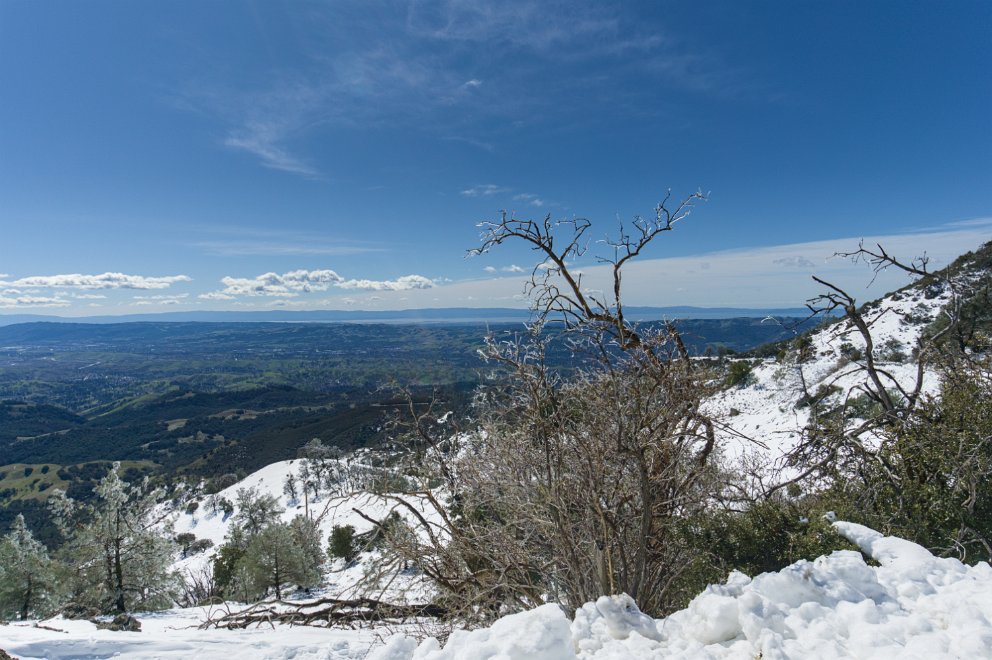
<point>913,605</point>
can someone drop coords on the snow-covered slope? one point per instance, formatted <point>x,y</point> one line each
<point>911,605</point>
<point>764,416</point>
<point>338,506</point>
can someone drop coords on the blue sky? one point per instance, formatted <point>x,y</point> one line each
<point>242,155</point>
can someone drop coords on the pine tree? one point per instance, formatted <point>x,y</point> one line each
<point>27,574</point>
<point>289,488</point>
<point>119,546</point>
<point>255,511</point>
<point>306,535</point>
<point>274,558</point>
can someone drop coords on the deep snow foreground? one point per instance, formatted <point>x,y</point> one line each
<point>913,605</point>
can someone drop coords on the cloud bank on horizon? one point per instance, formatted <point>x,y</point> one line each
<point>758,277</point>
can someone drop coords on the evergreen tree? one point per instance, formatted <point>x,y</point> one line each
<point>289,488</point>
<point>306,534</point>
<point>27,574</point>
<point>118,545</point>
<point>255,511</point>
<point>274,558</point>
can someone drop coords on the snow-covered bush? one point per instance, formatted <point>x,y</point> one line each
<point>118,547</point>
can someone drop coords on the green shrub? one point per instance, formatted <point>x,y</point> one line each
<point>821,393</point>
<point>768,536</point>
<point>930,483</point>
<point>851,352</point>
<point>342,543</point>
<point>739,374</point>
<point>891,351</point>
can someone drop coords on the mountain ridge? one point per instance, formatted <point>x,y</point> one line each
<point>427,315</point>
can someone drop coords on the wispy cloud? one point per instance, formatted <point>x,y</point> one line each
<point>795,262</point>
<point>261,140</point>
<point>171,299</point>
<point>972,222</point>
<point>753,277</point>
<point>102,281</point>
<point>484,190</point>
<point>533,200</point>
<point>427,65</point>
<point>480,144</point>
<point>158,300</point>
<point>277,249</point>
<point>241,241</point>
<point>32,301</point>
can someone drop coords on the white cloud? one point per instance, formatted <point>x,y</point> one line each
<point>89,296</point>
<point>733,278</point>
<point>287,285</point>
<point>32,301</point>
<point>512,268</point>
<point>297,282</point>
<point>178,296</point>
<point>404,283</point>
<point>484,190</point>
<point>489,269</point>
<point>102,281</point>
<point>474,82</point>
<point>533,200</point>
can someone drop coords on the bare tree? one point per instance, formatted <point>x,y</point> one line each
<point>555,288</point>
<point>573,487</point>
<point>830,440</point>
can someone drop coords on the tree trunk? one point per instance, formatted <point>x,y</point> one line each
<point>27,599</point>
<point>119,578</point>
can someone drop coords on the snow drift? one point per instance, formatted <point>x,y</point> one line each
<point>912,605</point>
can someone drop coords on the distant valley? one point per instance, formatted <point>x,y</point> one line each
<point>206,399</point>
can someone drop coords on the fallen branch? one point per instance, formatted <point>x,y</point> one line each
<point>323,612</point>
